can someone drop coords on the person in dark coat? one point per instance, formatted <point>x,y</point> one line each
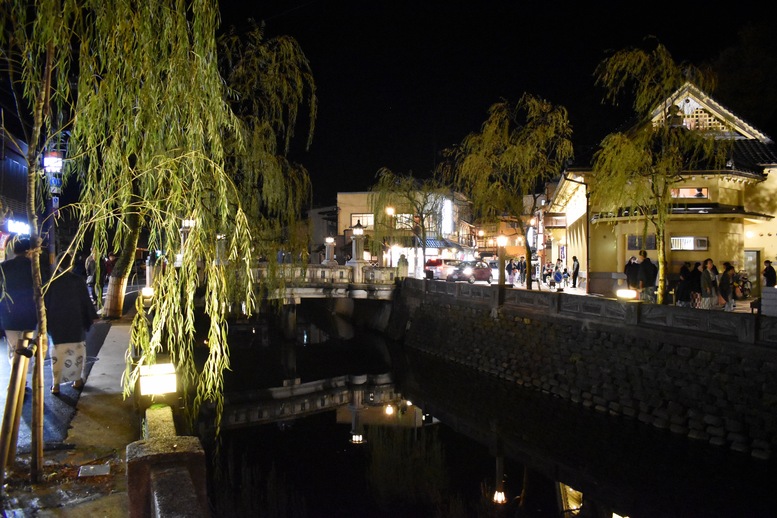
<point>575,270</point>
<point>632,273</point>
<point>696,285</point>
<point>17,305</point>
<point>726,286</point>
<point>70,315</point>
<point>647,277</point>
<point>769,274</point>
<point>683,289</point>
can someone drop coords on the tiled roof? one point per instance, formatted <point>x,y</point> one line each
<point>753,155</point>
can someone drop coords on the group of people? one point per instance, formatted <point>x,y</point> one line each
<point>516,271</point>
<point>641,275</point>
<point>701,286</point>
<point>69,312</point>
<point>90,271</point>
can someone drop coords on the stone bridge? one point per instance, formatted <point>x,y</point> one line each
<point>340,281</point>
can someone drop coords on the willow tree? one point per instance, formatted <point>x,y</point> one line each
<point>417,205</point>
<point>504,167</point>
<point>158,144</point>
<point>37,57</point>
<point>266,84</point>
<point>637,169</point>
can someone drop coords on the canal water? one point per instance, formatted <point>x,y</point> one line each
<point>473,432</point>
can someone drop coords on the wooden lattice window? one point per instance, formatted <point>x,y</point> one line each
<point>701,119</point>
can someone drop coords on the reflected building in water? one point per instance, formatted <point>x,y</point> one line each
<point>322,416</point>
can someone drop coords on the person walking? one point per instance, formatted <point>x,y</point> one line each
<point>17,305</point>
<point>575,270</point>
<point>726,286</point>
<point>707,290</point>
<point>696,285</point>
<point>632,273</point>
<point>90,265</point>
<point>511,268</point>
<point>647,278</point>
<point>522,270</point>
<point>70,316</point>
<point>716,301</point>
<point>769,275</point>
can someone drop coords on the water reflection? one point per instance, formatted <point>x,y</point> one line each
<point>464,438</point>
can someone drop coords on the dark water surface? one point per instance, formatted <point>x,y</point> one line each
<point>308,467</point>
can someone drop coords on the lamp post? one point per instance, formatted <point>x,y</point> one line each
<point>186,227</point>
<point>330,247</point>
<point>357,256</point>
<point>52,165</point>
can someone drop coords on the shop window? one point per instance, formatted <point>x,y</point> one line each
<point>367,219</point>
<point>635,242</point>
<point>689,243</point>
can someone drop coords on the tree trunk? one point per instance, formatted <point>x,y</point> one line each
<point>661,252</point>
<point>117,282</point>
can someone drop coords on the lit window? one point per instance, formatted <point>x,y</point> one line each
<point>689,243</point>
<point>691,192</point>
<point>367,220</point>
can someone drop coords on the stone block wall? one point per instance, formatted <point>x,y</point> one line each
<point>707,375</point>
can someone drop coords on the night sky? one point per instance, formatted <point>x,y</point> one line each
<point>399,81</point>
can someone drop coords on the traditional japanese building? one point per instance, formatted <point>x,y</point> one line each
<point>725,214</point>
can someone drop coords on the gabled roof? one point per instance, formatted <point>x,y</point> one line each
<point>753,151</point>
<point>700,111</point>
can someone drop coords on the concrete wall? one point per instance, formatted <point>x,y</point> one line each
<point>708,375</point>
<point>166,474</point>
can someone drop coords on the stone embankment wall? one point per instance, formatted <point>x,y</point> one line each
<point>707,375</point>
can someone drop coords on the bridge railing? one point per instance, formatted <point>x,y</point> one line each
<point>318,274</point>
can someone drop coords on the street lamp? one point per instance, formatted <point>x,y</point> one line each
<point>186,227</point>
<point>357,257</point>
<point>52,165</point>
<point>329,257</point>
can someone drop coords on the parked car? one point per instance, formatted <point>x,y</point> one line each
<point>440,268</point>
<point>471,271</point>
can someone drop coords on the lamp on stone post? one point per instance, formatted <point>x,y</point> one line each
<point>52,165</point>
<point>330,247</point>
<point>357,257</point>
<point>186,227</point>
